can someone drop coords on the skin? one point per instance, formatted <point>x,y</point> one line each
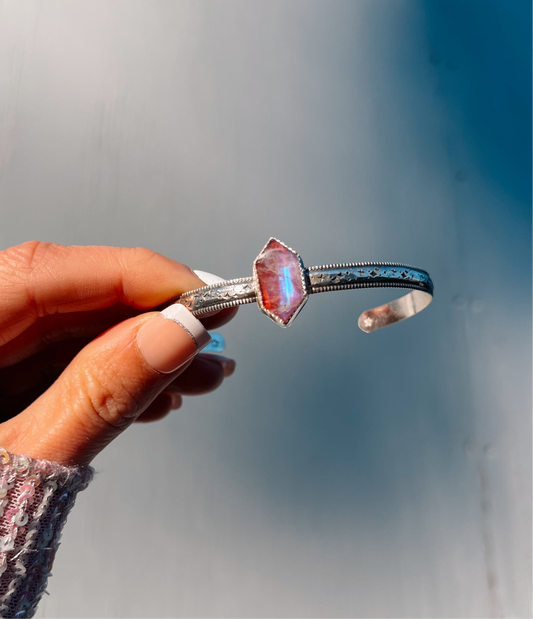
<point>71,375</point>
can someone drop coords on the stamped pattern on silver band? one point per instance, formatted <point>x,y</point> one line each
<point>229,293</point>
<point>367,275</point>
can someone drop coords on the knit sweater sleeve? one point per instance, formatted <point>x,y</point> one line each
<point>35,499</point>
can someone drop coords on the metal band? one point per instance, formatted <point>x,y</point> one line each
<point>329,278</point>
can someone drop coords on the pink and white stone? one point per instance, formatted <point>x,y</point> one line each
<point>281,290</point>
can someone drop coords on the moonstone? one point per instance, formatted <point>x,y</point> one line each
<point>281,289</point>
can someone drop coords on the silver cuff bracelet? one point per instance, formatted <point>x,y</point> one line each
<point>281,285</point>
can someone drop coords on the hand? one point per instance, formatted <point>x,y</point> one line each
<point>73,374</point>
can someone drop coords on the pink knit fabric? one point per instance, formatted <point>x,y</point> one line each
<point>35,499</point>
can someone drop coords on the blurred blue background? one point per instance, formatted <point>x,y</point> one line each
<point>336,474</point>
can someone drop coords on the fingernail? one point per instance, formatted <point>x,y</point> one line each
<point>228,365</point>
<point>176,401</point>
<point>172,338</point>
<point>208,278</point>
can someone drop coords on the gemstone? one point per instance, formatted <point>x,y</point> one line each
<point>281,290</point>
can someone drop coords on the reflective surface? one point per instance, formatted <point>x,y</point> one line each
<point>334,474</point>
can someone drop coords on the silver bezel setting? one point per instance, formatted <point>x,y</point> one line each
<point>259,296</point>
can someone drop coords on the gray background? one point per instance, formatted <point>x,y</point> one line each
<point>336,473</point>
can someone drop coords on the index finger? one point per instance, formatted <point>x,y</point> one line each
<point>39,279</point>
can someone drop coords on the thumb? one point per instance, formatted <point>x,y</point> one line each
<point>106,387</point>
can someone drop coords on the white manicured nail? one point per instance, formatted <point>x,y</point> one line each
<point>181,315</point>
<point>209,278</point>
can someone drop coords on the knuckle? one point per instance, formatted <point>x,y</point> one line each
<point>26,258</point>
<point>16,299</point>
<point>20,264</point>
<point>157,273</point>
<point>100,398</point>
<point>138,255</point>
